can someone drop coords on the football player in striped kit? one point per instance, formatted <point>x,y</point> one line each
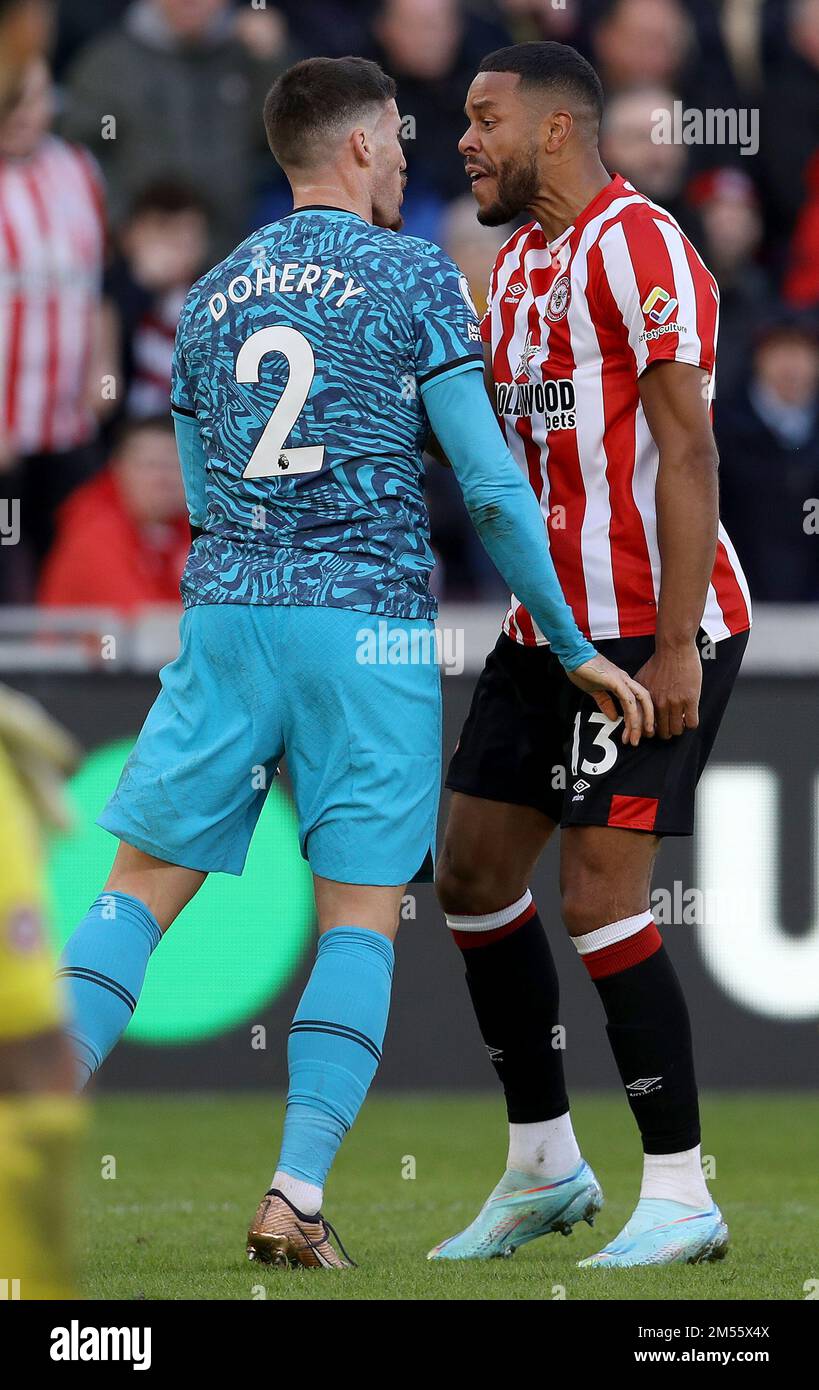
<point>600,340</point>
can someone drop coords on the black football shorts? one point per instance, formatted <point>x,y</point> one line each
<point>532,738</point>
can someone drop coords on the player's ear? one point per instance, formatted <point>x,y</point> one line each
<point>555,130</point>
<point>361,145</point>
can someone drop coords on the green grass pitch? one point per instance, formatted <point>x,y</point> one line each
<point>189,1172</point>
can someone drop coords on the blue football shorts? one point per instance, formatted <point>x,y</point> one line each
<point>351,700</point>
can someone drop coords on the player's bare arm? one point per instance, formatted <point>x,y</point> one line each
<point>675,401</point>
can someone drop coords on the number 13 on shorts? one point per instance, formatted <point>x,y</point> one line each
<point>603,748</point>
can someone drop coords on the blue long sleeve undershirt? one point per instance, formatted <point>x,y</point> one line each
<point>502,506</point>
<point>192,462</point>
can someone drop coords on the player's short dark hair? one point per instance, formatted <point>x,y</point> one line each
<point>554,65</point>
<point>314,97</point>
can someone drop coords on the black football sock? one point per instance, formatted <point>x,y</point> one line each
<point>514,988</point>
<point>648,1029</point>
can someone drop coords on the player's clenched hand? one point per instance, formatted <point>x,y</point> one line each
<point>601,679</point>
<point>673,676</point>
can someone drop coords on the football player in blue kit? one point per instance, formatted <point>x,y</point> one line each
<point>309,368</point>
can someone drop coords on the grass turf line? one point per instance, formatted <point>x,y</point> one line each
<point>190,1171</point>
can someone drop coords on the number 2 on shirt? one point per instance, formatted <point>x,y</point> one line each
<point>271,458</point>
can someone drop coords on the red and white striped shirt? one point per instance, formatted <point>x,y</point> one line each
<point>52,234</point>
<point>572,325</point>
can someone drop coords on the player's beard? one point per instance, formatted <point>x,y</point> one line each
<point>517,185</point>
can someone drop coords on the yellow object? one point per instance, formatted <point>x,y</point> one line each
<point>37,1141</point>
<point>29,995</point>
<point>37,1130</point>
<point>42,754</point>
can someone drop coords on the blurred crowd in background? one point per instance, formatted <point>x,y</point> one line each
<point>137,159</point>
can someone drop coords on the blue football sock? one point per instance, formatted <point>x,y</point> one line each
<point>334,1047</point>
<point>103,964</point>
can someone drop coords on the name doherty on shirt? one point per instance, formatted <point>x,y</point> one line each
<point>290,278</point>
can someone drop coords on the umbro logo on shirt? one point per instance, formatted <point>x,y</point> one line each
<point>514,292</point>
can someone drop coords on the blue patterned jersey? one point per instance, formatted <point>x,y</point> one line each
<point>303,359</point>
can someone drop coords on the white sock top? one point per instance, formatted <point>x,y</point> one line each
<point>305,1196</point>
<point>676,1178</point>
<point>490,921</point>
<point>611,933</point>
<point>547,1149</point>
